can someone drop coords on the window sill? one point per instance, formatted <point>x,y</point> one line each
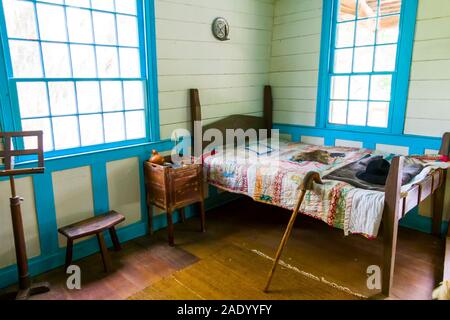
<point>72,154</point>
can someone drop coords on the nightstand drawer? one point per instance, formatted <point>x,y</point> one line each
<point>188,191</point>
<point>186,183</point>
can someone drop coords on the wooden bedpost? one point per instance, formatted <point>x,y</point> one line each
<point>439,196</point>
<point>268,109</point>
<point>196,130</point>
<point>390,222</point>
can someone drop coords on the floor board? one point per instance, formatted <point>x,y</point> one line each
<point>314,248</point>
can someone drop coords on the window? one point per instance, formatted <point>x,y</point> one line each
<point>363,72</point>
<point>76,70</point>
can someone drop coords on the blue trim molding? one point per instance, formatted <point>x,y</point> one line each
<point>325,52</point>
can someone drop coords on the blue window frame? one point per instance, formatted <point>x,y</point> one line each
<point>83,71</point>
<point>365,64</point>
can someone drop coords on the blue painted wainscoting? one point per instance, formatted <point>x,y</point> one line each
<point>414,145</point>
<point>52,255</point>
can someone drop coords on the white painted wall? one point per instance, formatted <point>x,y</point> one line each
<point>24,189</point>
<point>74,199</point>
<point>295,59</point>
<point>429,95</point>
<point>230,75</point>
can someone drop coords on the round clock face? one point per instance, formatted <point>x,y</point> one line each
<point>221,29</point>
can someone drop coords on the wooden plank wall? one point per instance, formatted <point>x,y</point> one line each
<point>429,95</point>
<point>230,74</point>
<point>295,60</point>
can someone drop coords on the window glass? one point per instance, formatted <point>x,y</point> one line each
<point>364,62</point>
<point>76,67</point>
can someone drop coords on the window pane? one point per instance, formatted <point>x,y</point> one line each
<point>114,127</point>
<point>367,8</point>
<point>338,112</point>
<point>135,124</point>
<point>33,100</point>
<point>104,28</point>
<point>56,60</point>
<point>126,6</point>
<point>112,96</point>
<point>91,128</point>
<point>388,30</point>
<point>345,34</point>
<point>62,98</point>
<point>26,59</point>
<point>343,60</point>
<point>390,6</point>
<point>20,19</point>
<point>78,3</point>
<point>128,30</point>
<point>363,59</point>
<point>380,88</point>
<point>52,24</point>
<point>130,66</point>
<point>347,10</point>
<point>134,95</point>
<point>88,95</point>
<point>107,5</point>
<point>42,124</point>
<point>365,32</point>
<point>53,1</point>
<point>339,88</point>
<point>359,87</point>
<point>378,114</point>
<point>107,62</point>
<point>65,132</point>
<point>366,35</point>
<point>385,58</point>
<point>83,61</point>
<point>96,40</point>
<point>357,112</point>
<point>79,25</point>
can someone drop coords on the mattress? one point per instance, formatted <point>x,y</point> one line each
<point>266,172</point>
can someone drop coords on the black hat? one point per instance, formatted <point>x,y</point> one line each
<point>376,172</point>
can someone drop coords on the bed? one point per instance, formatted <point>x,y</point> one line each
<point>267,172</point>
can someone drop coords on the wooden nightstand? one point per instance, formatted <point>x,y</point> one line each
<point>172,188</point>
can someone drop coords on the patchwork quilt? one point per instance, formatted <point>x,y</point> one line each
<point>269,174</point>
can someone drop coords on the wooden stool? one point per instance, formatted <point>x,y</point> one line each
<point>91,226</point>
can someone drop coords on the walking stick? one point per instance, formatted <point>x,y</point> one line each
<point>305,186</point>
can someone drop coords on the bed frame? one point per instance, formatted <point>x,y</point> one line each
<point>397,205</point>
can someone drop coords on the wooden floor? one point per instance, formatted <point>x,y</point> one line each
<point>314,248</point>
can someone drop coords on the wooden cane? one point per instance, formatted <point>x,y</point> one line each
<point>305,186</point>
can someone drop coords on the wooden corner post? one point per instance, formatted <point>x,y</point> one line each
<point>196,125</point>
<point>268,109</point>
